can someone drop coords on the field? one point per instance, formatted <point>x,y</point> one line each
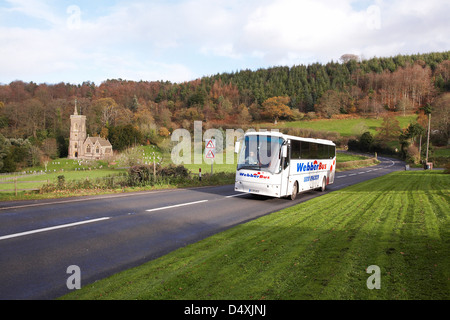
<point>320,249</point>
<point>347,127</point>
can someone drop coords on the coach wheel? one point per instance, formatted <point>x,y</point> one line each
<point>294,191</point>
<point>324,185</point>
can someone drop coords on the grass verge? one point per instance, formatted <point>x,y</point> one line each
<point>316,250</point>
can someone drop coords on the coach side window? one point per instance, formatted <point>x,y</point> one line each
<point>305,153</point>
<point>295,150</point>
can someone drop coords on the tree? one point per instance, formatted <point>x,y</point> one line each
<point>414,130</point>
<point>244,116</point>
<point>4,150</point>
<point>50,148</point>
<point>390,128</point>
<point>329,104</point>
<point>349,57</point>
<point>277,108</point>
<point>134,104</point>
<point>163,132</point>
<point>441,117</point>
<point>408,142</point>
<point>107,109</point>
<point>366,141</point>
<point>124,136</point>
<point>33,116</point>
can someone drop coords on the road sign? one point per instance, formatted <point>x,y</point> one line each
<point>210,144</point>
<point>210,151</point>
<point>210,147</point>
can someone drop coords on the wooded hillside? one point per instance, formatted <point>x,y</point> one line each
<point>38,114</point>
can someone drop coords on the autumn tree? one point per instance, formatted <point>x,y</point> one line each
<point>32,114</point>
<point>276,108</point>
<point>244,116</point>
<point>143,118</point>
<point>441,117</point>
<point>329,104</point>
<point>442,75</point>
<point>107,110</point>
<point>390,128</point>
<point>345,58</point>
<point>163,132</point>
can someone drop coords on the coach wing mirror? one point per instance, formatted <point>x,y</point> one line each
<point>284,151</point>
<point>237,147</point>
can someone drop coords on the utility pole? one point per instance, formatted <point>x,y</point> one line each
<point>427,110</point>
<point>428,135</point>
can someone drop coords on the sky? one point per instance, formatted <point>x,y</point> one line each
<point>73,41</point>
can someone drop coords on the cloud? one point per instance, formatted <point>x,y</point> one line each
<point>171,40</point>
<point>37,9</point>
<point>298,30</point>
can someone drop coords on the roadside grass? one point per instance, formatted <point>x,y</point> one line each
<point>345,157</point>
<point>319,249</point>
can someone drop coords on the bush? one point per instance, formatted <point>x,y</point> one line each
<point>174,171</point>
<point>412,154</point>
<point>103,183</point>
<point>447,168</point>
<point>61,181</point>
<point>139,174</point>
<point>366,142</point>
<point>143,174</point>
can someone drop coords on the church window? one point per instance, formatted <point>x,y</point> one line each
<point>97,150</point>
<point>88,148</point>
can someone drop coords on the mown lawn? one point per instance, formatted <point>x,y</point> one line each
<point>316,250</point>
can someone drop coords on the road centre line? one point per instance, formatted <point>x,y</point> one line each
<point>21,234</point>
<point>177,205</point>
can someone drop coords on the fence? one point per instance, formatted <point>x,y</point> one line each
<point>17,182</point>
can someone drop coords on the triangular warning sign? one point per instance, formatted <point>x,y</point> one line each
<point>210,144</point>
<point>210,154</point>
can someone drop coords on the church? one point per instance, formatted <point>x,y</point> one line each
<point>81,146</point>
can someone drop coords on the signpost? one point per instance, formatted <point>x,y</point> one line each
<point>210,151</point>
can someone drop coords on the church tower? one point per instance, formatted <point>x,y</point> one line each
<point>77,134</point>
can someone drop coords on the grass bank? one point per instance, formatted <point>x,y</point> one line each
<point>316,250</point>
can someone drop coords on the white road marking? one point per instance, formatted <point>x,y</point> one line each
<point>21,234</point>
<point>176,206</point>
<point>81,199</point>
<point>236,195</point>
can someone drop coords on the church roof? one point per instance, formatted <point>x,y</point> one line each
<point>103,142</point>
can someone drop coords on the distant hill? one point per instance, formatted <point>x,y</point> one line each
<point>403,84</point>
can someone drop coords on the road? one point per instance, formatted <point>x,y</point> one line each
<point>103,235</point>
